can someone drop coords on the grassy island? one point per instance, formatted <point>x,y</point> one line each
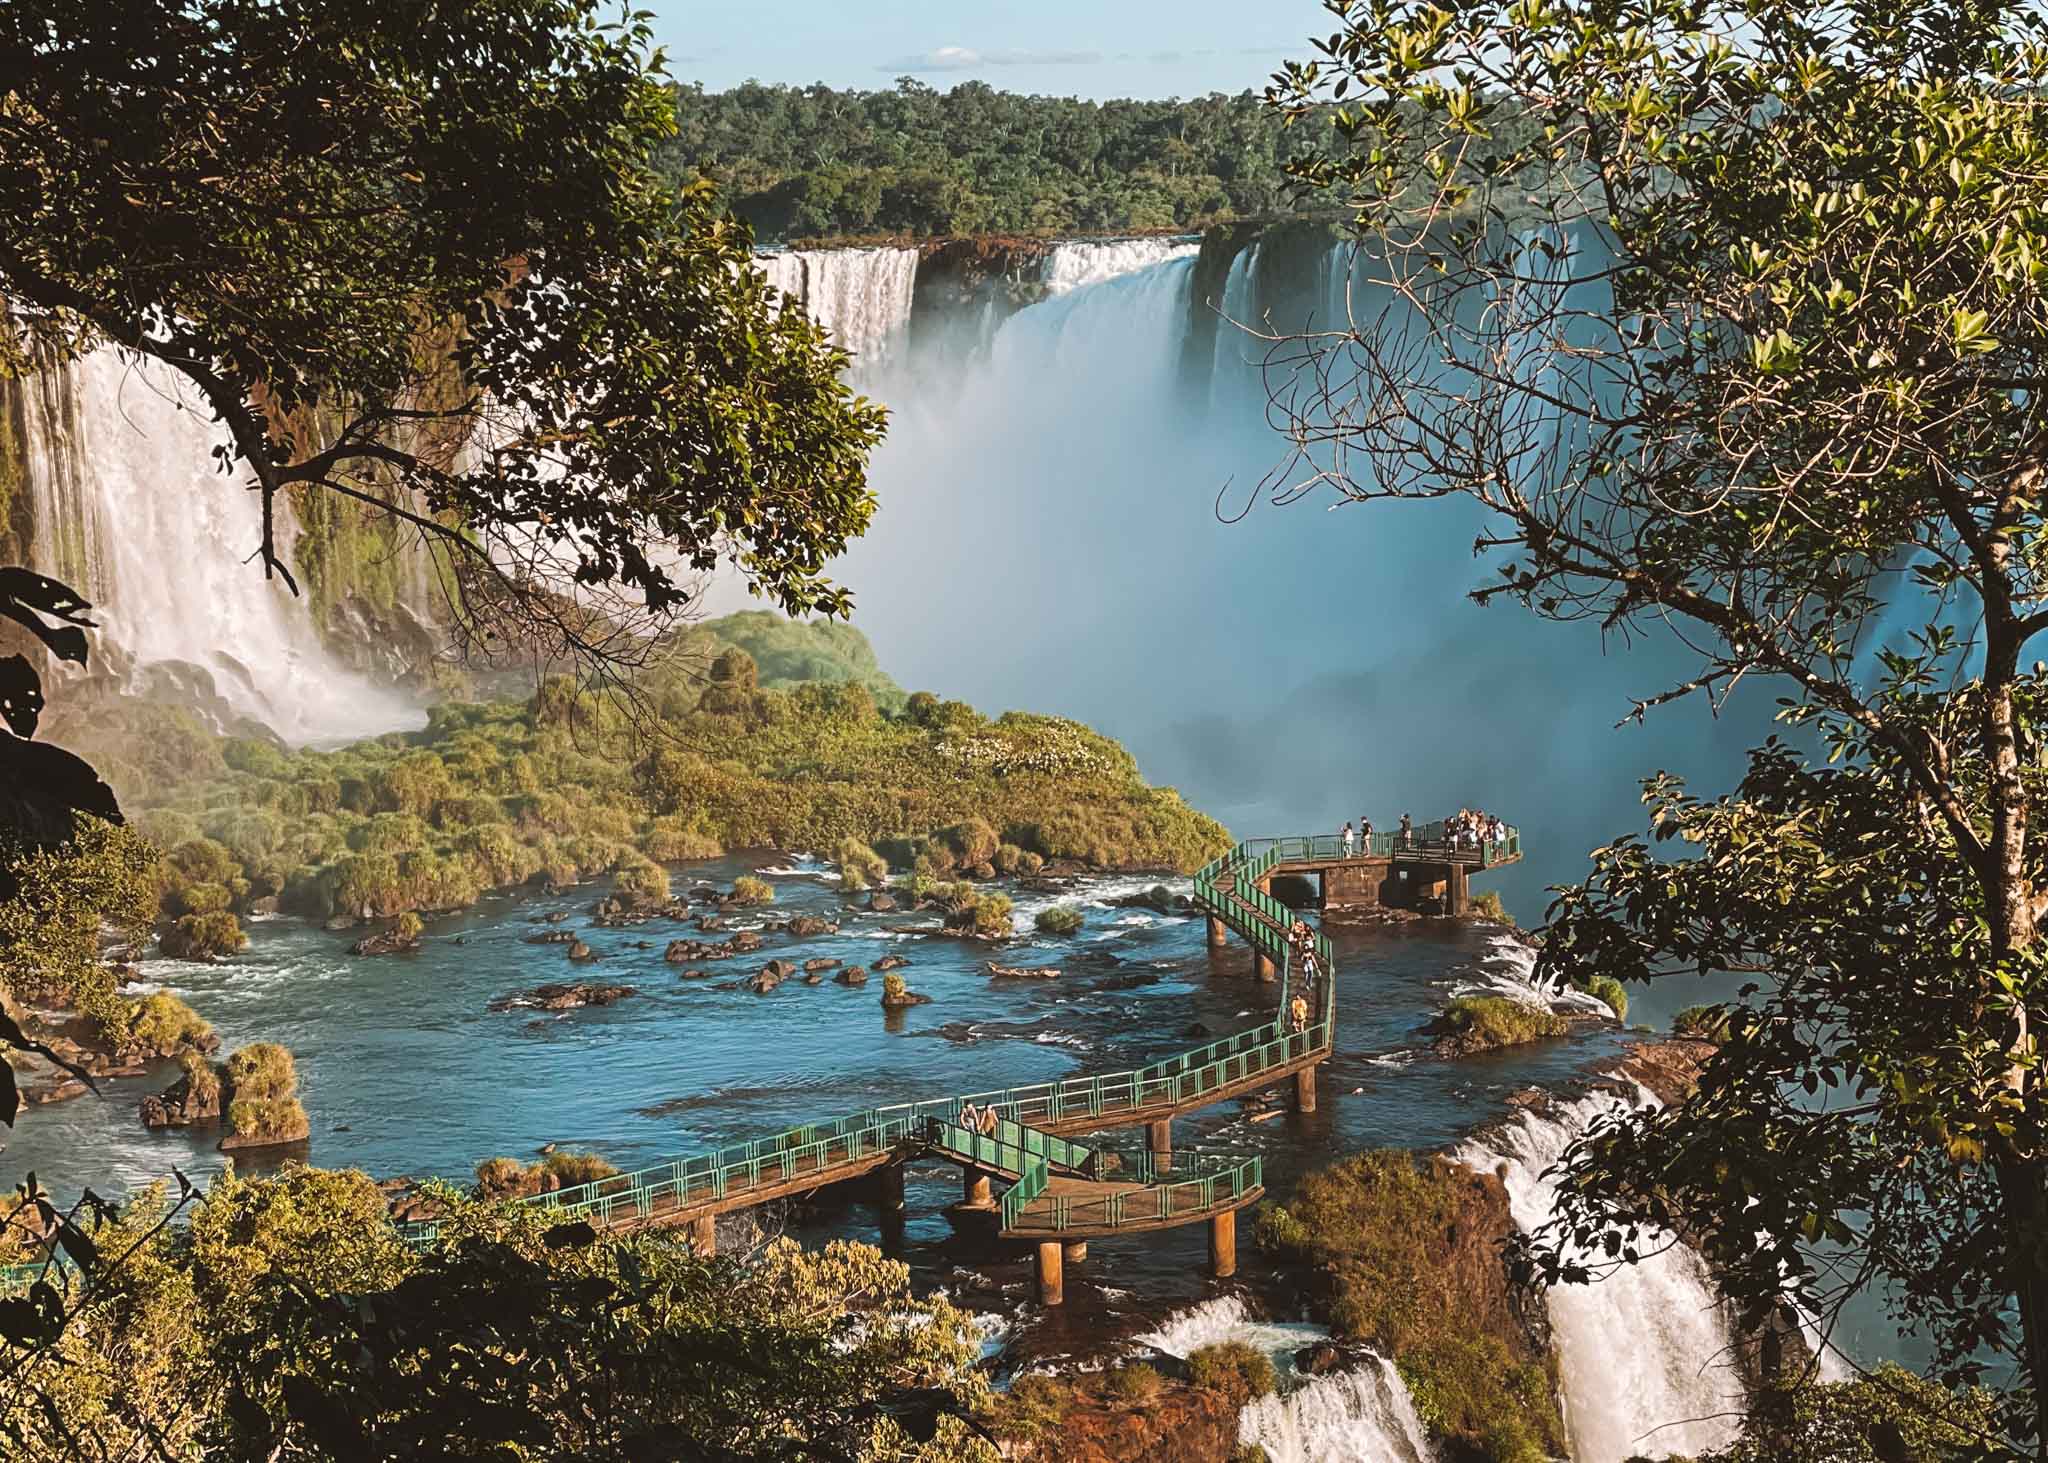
<point>567,785</point>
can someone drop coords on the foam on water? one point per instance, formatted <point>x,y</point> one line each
<point>1508,969</point>
<point>1363,1415</point>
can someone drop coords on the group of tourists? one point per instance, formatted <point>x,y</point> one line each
<point>1468,829</point>
<point>1472,829</point>
<point>1301,1011</point>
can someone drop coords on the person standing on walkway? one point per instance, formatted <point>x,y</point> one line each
<point>1348,840</point>
<point>1407,831</point>
<point>1365,835</point>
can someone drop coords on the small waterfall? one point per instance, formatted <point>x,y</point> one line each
<point>1508,969</point>
<point>131,509</point>
<point>861,295</point>
<point>1363,1415</point>
<point>1644,1356</point>
<point>1236,352</point>
<point>1359,1416</point>
<point>1089,261</point>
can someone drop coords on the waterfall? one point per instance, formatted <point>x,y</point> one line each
<point>1508,969</point>
<point>1078,263</point>
<point>862,296</point>
<point>131,509</point>
<point>1362,1415</point>
<point>1644,1356</point>
<point>1359,1416</point>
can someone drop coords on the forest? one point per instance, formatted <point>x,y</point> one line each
<point>810,162</point>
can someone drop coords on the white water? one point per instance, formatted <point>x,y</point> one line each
<point>1071,266</point>
<point>1508,969</point>
<point>1359,1416</point>
<point>1644,1354</point>
<point>1363,1415</point>
<point>862,296</point>
<point>131,509</point>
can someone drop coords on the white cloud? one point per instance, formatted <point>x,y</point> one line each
<point>966,58</point>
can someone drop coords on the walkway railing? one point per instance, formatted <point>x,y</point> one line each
<point>1429,840</point>
<point>1226,888</point>
<point>1195,1184</point>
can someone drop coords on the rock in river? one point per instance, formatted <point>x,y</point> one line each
<point>560,997</point>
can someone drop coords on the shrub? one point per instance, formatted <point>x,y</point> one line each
<point>749,890</point>
<point>1890,1416</point>
<point>572,1170</point>
<point>642,882</point>
<point>158,1025</point>
<point>857,859</point>
<point>1013,860</point>
<point>202,861</point>
<point>409,928</point>
<point>204,936</point>
<point>671,840</point>
<point>262,1070</point>
<point>1241,1372</point>
<point>1484,1022</point>
<point>1702,1023</point>
<point>505,1178</point>
<point>202,1077</point>
<point>1608,989</point>
<point>893,987</point>
<point>200,899</point>
<point>280,1119</point>
<point>969,842</point>
<point>1134,1383</point>
<point>992,915</point>
<point>1487,906</point>
<point>1060,919</point>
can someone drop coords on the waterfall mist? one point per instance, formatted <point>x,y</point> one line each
<point>1070,522</point>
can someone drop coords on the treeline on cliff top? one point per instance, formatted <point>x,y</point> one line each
<point>809,162</point>
<point>801,744</point>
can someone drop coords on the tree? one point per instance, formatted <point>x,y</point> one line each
<point>1768,371</point>
<point>422,261</point>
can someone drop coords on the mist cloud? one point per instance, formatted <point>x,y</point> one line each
<point>966,58</point>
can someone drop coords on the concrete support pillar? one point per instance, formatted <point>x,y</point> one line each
<point>704,1237</point>
<point>1266,968</point>
<point>1305,1090</point>
<point>1223,1244</point>
<point>1219,933</point>
<point>1075,1251</point>
<point>1159,1138</point>
<point>1051,1282</point>
<point>890,1182</point>
<point>1458,892</point>
<point>975,1190</point>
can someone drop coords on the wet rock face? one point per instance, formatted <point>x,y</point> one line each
<point>181,1105</point>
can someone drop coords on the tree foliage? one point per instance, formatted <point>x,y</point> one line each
<point>1770,374</point>
<point>421,260</point>
<point>910,161</point>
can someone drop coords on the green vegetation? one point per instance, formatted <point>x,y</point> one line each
<point>263,1095</point>
<point>894,988</point>
<point>1379,1227</point>
<point>1135,1382</point>
<point>810,161</point>
<point>859,865</point>
<point>1702,1023</point>
<point>1890,1416</point>
<point>747,889</point>
<point>1608,989</point>
<point>508,1178</point>
<point>289,1320</point>
<point>572,786</point>
<point>159,1024</point>
<point>1820,297</point>
<point>64,897</point>
<point>1481,1023</point>
<point>1060,919</point>
<point>1486,905</point>
<point>1241,1372</point>
<point>204,936</point>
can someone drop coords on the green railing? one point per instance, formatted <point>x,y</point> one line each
<point>1429,839</point>
<point>1227,888</point>
<point>1194,1184</point>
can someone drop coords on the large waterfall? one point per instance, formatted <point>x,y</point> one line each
<point>1081,262</point>
<point>1644,1355</point>
<point>131,509</point>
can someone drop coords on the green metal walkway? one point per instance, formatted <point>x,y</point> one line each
<point>1056,1187</point>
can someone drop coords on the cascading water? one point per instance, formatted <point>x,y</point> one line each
<point>132,511</point>
<point>1081,262</point>
<point>1644,1355</point>
<point>1363,1415</point>
<point>862,296</point>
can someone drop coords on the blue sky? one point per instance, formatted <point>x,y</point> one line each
<point>1090,48</point>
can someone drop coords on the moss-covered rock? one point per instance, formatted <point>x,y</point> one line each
<point>263,1109</point>
<point>1472,1024</point>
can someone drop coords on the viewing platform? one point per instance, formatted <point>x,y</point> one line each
<point>1056,1193</point>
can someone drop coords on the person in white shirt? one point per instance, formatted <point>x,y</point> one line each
<point>1348,840</point>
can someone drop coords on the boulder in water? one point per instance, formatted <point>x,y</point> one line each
<point>581,953</point>
<point>808,925</point>
<point>891,962</point>
<point>852,975</point>
<point>880,903</point>
<point>560,997</point>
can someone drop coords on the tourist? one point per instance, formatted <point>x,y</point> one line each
<point>1365,835</point>
<point>1348,840</point>
<point>1407,831</point>
<point>988,1122</point>
<point>969,1118</point>
<point>1297,1011</point>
